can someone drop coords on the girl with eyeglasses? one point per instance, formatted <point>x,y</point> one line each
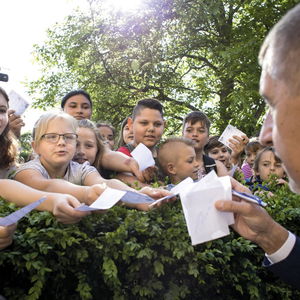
<point>54,141</point>
<point>61,205</point>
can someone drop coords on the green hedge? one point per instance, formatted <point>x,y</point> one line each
<point>128,254</point>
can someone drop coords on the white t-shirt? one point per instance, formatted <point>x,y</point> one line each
<point>76,173</point>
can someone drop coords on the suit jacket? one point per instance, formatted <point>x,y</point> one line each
<point>288,269</point>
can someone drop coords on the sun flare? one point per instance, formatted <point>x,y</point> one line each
<point>124,5</point>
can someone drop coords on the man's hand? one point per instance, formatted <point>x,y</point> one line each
<point>254,223</point>
<point>15,123</point>
<point>6,235</point>
<point>64,209</point>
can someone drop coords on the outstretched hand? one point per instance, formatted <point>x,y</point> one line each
<point>64,209</point>
<point>6,235</point>
<point>144,176</point>
<point>15,123</point>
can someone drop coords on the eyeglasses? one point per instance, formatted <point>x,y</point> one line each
<point>53,138</point>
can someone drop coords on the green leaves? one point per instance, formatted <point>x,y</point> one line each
<point>128,254</point>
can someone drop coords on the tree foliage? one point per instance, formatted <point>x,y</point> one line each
<point>189,54</point>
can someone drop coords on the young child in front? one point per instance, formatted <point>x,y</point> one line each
<point>148,125</point>
<point>54,142</point>
<point>177,160</point>
<point>196,128</point>
<point>60,205</point>
<point>251,150</point>
<point>266,164</point>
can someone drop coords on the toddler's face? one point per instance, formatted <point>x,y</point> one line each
<point>220,153</point>
<point>269,166</point>
<point>148,127</point>
<point>196,132</point>
<point>186,164</point>
<point>86,149</point>
<point>250,157</point>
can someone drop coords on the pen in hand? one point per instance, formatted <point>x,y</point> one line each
<point>251,198</point>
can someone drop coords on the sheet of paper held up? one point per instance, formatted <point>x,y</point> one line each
<point>105,201</point>
<point>111,197</point>
<point>17,103</point>
<point>19,214</point>
<point>204,221</point>
<point>176,190</point>
<point>143,156</point>
<point>228,133</point>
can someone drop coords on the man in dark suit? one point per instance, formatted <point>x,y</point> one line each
<point>280,86</point>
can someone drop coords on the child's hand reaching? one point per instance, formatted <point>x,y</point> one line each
<point>93,192</point>
<point>63,209</point>
<point>143,176</point>
<point>6,235</point>
<point>237,144</point>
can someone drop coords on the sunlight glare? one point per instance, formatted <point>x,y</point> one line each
<point>124,5</point>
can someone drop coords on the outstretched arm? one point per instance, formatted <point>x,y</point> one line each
<point>61,205</point>
<point>117,161</point>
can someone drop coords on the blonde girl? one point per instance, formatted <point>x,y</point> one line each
<point>54,141</point>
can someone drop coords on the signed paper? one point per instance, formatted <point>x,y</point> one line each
<point>143,156</point>
<point>228,133</point>
<point>19,214</point>
<point>204,221</point>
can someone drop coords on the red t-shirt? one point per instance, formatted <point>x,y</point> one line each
<point>125,150</point>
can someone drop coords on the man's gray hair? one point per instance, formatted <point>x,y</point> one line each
<point>280,53</point>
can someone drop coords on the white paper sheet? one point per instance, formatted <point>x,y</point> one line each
<point>105,201</point>
<point>17,103</point>
<point>19,214</point>
<point>204,221</point>
<point>228,133</point>
<point>111,197</point>
<point>143,156</point>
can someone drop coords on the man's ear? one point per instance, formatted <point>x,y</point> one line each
<point>171,169</point>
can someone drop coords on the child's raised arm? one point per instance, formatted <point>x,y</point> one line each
<point>61,205</point>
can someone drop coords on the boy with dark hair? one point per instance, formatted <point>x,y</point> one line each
<point>196,127</point>
<point>147,124</point>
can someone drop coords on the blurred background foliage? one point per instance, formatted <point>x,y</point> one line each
<point>189,54</point>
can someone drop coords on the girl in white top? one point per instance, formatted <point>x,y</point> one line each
<point>62,206</point>
<point>54,141</point>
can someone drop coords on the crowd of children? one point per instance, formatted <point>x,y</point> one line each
<point>74,156</point>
